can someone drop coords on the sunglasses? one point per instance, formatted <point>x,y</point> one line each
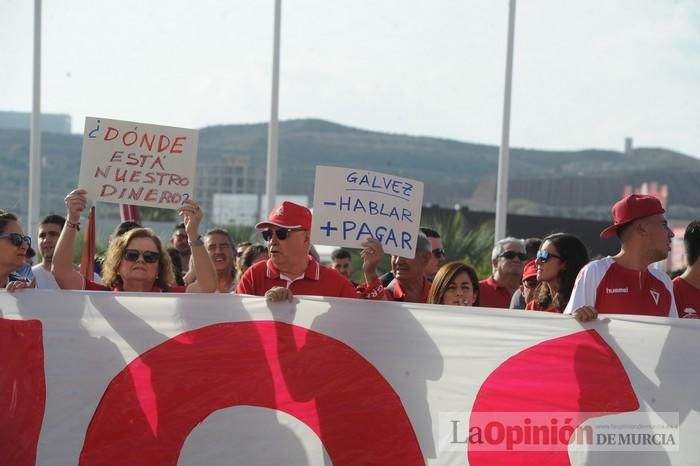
<point>438,253</point>
<point>530,284</point>
<point>16,239</point>
<point>281,233</point>
<point>544,256</point>
<point>512,255</point>
<point>149,257</point>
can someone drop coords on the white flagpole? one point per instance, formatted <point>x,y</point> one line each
<point>35,132</point>
<point>273,127</point>
<point>504,153</point>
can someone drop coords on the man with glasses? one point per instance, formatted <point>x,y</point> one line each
<point>437,257</point>
<point>626,283</point>
<point>508,259</point>
<point>291,270</point>
<point>528,285</point>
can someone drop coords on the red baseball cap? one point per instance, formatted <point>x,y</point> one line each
<point>631,208</point>
<point>287,215</point>
<point>530,271</point>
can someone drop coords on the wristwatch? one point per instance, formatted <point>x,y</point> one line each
<point>196,242</point>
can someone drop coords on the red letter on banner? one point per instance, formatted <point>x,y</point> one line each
<point>151,407</point>
<point>22,390</point>
<point>577,373</point>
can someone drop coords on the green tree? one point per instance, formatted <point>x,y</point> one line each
<point>463,242</point>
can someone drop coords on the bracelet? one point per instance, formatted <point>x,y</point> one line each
<point>73,225</point>
<point>196,242</point>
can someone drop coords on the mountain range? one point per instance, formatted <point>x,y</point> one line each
<point>580,183</point>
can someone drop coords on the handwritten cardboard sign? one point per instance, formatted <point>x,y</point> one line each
<point>125,162</point>
<point>352,205</point>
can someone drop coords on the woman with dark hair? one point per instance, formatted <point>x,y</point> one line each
<point>455,284</point>
<point>253,254</point>
<point>559,261</point>
<point>14,245</point>
<point>134,261</point>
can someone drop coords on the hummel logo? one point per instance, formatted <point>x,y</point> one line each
<point>617,290</point>
<point>655,294</point>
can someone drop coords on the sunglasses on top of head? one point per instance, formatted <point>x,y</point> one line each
<point>281,233</point>
<point>512,255</point>
<point>544,256</point>
<point>16,239</point>
<point>149,257</point>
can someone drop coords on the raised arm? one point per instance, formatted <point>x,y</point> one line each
<point>371,254</point>
<point>62,265</point>
<point>192,215</point>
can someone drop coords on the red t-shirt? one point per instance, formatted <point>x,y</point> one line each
<point>94,286</point>
<point>318,280</point>
<point>687,299</point>
<point>398,294</point>
<point>492,295</point>
<point>613,289</point>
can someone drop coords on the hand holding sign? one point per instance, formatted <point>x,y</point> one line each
<point>192,216</point>
<point>75,201</point>
<point>371,256</point>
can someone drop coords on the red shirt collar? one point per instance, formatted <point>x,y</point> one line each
<point>313,271</point>
<point>399,293</point>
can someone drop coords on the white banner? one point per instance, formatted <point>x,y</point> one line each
<point>352,205</point>
<point>125,162</point>
<point>99,378</point>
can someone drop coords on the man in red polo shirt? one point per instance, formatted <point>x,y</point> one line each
<point>291,270</point>
<point>686,288</point>
<point>625,283</point>
<point>410,283</point>
<point>508,259</point>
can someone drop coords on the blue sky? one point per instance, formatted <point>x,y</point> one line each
<point>587,73</point>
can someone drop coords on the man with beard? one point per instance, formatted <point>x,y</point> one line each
<point>625,283</point>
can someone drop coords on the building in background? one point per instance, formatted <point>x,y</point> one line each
<point>246,209</point>
<point>231,175</point>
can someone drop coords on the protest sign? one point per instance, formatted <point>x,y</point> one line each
<point>125,162</point>
<point>352,205</point>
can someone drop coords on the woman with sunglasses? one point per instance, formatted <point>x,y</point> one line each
<point>13,252</point>
<point>455,284</point>
<point>135,261</point>
<point>559,261</point>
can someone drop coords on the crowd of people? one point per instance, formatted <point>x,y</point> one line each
<point>552,274</point>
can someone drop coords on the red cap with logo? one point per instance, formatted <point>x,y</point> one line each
<point>631,208</point>
<point>287,215</point>
<point>530,271</point>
